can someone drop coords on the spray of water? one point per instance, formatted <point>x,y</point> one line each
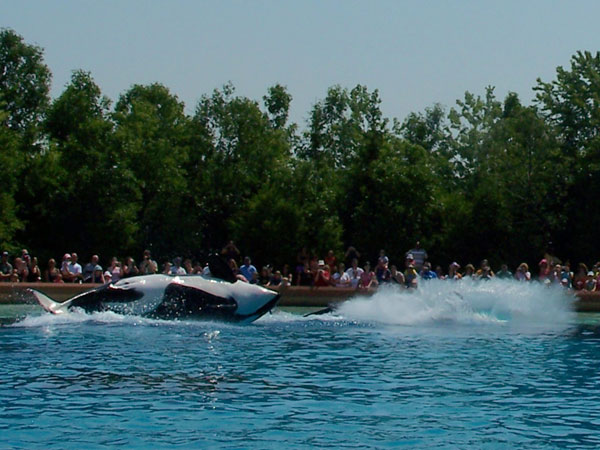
<point>464,302</point>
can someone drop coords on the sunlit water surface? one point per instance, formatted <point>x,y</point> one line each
<point>490,365</point>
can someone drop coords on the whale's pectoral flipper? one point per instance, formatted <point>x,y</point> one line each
<point>319,312</point>
<point>48,304</point>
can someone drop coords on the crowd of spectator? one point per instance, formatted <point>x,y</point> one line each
<point>310,270</point>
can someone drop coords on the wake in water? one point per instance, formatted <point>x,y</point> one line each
<point>464,302</point>
<point>496,302</point>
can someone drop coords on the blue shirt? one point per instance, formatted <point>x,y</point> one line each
<point>248,272</point>
<point>428,275</point>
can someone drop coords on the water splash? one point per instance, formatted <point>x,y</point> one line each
<point>464,302</point>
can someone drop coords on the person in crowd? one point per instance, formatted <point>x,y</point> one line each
<point>504,273</point>
<point>248,270</point>
<point>236,271</point>
<point>177,268</point>
<point>382,257</point>
<point>167,268</point>
<point>129,268</point>
<point>70,269</point>
<point>20,270</point>
<point>341,278</point>
<point>230,251</point>
<point>275,281</point>
<point>188,266</point>
<point>33,271</point>
<point>382,272</point>
<point>440,272</point>
<point>566,278</point>
<point>115,269</point>
<point>148,266</point>
<point>396,277</point>
<point>97,275</point>
<point>544,270</point>
<point>410,273</point>
<point>287,275</point>
<point>367,277</point>
<point>6,268</point>
<point>322,276</point>
<point>197,269</point>
<point>52,272</point>
<point>35,274</point>
<point>580,277</point>
<point>419,255</point>
<point>107,277</point>
<point>88,269</point>
<point>305,277</point>
<point>64,268</point>
<point>522,273</point>
<point>265,276</point>
<point>313,263</point>
<point>556,274</point>
<point>453,273</point>
<point>301,263</point>
<point>331,261</point>
<point>355,273</point>
<point>590,283</point>
<point>486,273</point>
<point>351,253</point>
<point>483,265</point>
<point>469,271</point>
<point>426,272</point>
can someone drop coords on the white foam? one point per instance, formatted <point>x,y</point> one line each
<point>465,302</point>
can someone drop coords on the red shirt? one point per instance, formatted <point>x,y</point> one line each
<point>322,278</point>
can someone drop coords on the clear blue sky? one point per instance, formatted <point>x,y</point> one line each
<point>416,53</point>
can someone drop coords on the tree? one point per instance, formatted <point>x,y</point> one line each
<point>340,126</point>
<point>79,199</point>
<point>151,143</point>
<point>11,162</point>
<point>571,103</point>
<point>236,153</point>
<point>24,83</point>
<point>278,101</point>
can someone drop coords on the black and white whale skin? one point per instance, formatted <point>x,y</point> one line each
<point>168,297</point>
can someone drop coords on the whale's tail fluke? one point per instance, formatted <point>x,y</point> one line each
<point>48,304</point>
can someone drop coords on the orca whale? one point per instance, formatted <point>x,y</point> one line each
<point>168,297</point>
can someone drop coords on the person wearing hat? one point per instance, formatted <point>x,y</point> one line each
<point>6,268</point>
<point>97,275</point>
<point>590,283</point>
<point>322,277</point>
<point>453,273</point>
<point>382,271</point>
<point>410,274</point>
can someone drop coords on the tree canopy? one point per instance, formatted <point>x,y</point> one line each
<point>485,178</point>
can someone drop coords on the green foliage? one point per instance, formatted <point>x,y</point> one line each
<point>571,103</point>
<point>24,83</point>
<point>485,179</point>
<point>11,162</point>
<point>151,151</point>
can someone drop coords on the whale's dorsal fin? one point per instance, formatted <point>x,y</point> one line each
<point>220,269</point>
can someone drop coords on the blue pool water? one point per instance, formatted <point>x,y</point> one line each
<point>495,365</point>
